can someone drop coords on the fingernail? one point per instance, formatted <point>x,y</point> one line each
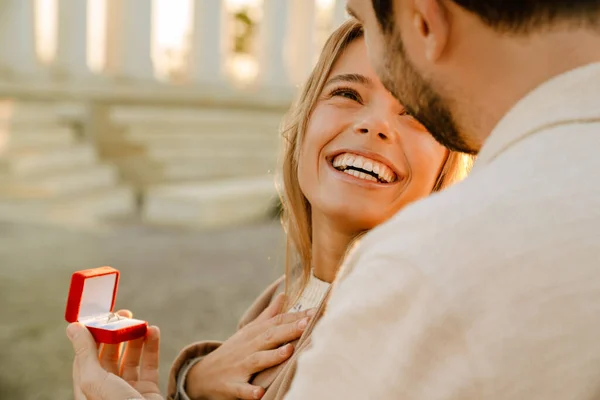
<point>283,350</point>
<point>72,330</point>
<point>302,324</point>
<point>311,312</point>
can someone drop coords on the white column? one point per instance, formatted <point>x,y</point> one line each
<point>17,37</point>
<point>302,49</point>
<point>129,39</point>
<point>273,35</point>
<point>339,14</point>
<point>208,42</point>
<point>71,50</point>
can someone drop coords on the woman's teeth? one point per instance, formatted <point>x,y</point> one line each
<point>364,168</point>
<point>360,175</point>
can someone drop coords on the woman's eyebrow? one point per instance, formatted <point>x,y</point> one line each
<point>353,78</point>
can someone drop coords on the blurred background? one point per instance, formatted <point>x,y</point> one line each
<point>141,134</point>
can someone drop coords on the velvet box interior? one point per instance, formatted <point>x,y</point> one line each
<point>91,300</point>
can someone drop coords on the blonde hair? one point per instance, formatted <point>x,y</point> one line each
<point>296,215</point>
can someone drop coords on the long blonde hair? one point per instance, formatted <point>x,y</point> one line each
<point>296,215</point>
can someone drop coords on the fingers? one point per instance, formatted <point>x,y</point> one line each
<point>150,356</point>
<point>84,345</point>
<point>109,357</point>
<point>257,328</point>
<point>109,387</point>
<point>273,309</point>
<point>77,393</point>
<point>283,328</point>
<point>125,313</point>
<point>94,383</point>
<point>245,391</point>
<point>130,361</point>
<point>111,353</point>
<point>262,360</point>
<point>287,318</point>
<point>86,365</point>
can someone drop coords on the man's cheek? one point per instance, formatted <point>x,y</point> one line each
<point>372,49</point>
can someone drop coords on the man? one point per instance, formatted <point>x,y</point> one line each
<point>490,290</point>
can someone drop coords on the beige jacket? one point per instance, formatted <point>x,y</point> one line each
<point>276,379</point>
<point>489,290</point>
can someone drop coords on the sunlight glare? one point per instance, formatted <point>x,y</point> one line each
<point>171,34</point>
<point>45,29</point>
<point>96,35</point>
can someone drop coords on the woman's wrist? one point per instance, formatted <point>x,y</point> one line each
<point>194,386</point>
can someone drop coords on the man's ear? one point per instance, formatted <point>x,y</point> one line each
<point>432,26</point>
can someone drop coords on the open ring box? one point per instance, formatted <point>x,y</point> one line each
<point>91,300</point>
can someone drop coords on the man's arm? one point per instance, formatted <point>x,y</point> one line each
<point>386,334</point>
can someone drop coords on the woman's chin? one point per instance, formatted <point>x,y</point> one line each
<point>357,216</point>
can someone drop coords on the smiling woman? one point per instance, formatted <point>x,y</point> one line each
<point>352,158</point>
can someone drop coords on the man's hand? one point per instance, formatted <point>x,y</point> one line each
<point>110,376</point>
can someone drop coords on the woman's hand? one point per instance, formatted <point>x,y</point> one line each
<point>224,373</point>
<point>100,373</point>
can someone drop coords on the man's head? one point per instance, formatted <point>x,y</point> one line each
<point>458,65</point>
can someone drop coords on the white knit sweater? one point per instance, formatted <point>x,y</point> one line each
<point>312,295</point>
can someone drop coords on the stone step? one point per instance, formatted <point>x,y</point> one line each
<point>97,204</point>
<point>184,136</point>
<point>100,203</point>
<point>36,137</point>
<point>72,111</point>
<point>38,160</point>
<point>174,116</point>
<point>211,204</point>
<point>143,171</point>
<point>178,171</point>
<point>116,146</point>
<point>209,155</point>
<point>223,127</point>
<point>17,112</point>
<point>62,182</point>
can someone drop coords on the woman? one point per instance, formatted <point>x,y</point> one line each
<point>352,159</point>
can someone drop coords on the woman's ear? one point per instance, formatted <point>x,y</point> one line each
<point>430,20</point>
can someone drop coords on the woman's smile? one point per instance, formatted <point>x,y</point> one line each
<point>356,166</point>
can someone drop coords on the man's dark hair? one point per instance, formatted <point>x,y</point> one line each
<point>519,16</point>
<point>384,11</point>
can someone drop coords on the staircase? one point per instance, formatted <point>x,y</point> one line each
<point>49,173</point>
<point>202,167</point>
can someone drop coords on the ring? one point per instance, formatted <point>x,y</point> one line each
<point>112,316</point>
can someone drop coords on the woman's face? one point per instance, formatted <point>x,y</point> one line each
<point>362,157</point>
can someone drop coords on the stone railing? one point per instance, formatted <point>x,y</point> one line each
<point>285,47</point>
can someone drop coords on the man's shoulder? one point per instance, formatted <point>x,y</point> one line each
<point>448,216</point>
<point>502,214</point>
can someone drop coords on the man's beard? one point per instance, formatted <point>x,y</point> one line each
<point>417,96</point>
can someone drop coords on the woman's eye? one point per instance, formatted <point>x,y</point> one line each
<point>347,93</point>
<point>405,113</point>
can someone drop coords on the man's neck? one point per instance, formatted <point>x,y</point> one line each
<point>517,66</point>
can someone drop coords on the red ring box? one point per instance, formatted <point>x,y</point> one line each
<point>91,300</point>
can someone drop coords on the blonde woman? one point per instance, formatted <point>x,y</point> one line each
<point>352,158</point>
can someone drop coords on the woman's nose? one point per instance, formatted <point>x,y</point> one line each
<point>376,126</point>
